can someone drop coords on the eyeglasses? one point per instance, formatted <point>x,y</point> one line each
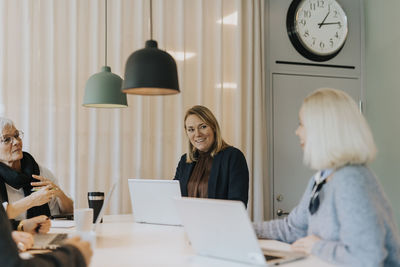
<point>314,201</point>
<point>8,139</point>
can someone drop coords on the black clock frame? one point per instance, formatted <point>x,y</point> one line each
<point>294,38</point>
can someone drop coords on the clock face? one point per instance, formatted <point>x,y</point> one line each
<point>317,28</point>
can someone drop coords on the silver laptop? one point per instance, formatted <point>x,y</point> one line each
<point>53,241</point>
<point>152,201</point>
<point>222,229</point>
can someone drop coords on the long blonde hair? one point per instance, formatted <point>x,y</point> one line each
<point>208,118</point>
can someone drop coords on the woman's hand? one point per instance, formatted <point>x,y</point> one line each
<point>39,224</point>
<point>44,182</point>
<point>42,196</point>
<point>305,244</point>
<point>23,240</point>
<point>83,246</point>
<point>66,204</point>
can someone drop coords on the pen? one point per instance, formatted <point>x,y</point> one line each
<point>37,228</point>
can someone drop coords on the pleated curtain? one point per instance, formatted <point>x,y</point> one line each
<point>49,48</point>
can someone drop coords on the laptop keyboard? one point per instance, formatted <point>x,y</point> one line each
<point>59,238</point>
<point>48,241</point>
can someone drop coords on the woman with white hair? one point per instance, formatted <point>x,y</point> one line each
<point>344,216</point>
<point>27,189</point>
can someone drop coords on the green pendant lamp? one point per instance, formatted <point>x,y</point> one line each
<point>150,71</point>
<point>103,89</point>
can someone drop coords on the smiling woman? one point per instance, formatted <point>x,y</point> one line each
<point>211,168</point>
<point>26,188</point>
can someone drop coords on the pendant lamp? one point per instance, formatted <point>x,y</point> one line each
<point>103,89</point>
<point>150,71</point>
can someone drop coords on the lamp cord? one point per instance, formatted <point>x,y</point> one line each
<point>151,19</point>
<point>105,32</point>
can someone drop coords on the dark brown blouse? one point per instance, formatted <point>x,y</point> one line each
<point>198,181</point>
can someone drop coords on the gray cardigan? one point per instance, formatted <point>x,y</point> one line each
<point>354,221</point>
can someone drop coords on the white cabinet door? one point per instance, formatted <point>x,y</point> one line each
<point>290,176</point>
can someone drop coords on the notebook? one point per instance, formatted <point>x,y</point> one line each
<point>53,241</point>
<point>222,229</point>
<point>152,201</point>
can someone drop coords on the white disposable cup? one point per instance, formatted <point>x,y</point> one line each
<point>83,219</point>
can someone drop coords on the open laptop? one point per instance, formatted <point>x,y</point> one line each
<point>152,201</point>
<point>222,229</point>
<point>53,241</point>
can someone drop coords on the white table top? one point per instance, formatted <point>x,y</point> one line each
<point>121,242</point>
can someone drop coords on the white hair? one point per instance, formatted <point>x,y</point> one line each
<point>337,134</point>
<point>4,122</point>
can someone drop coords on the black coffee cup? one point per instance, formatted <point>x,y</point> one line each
<point>96,200</point>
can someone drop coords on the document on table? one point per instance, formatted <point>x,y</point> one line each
<point>62,223</point>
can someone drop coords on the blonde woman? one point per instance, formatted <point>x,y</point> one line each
<point>211,168</point>
<point>344,216</point>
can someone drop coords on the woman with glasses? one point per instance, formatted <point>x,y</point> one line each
<point>344,216</point>
<point>27,189</point>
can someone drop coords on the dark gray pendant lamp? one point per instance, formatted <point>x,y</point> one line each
<point>150,71</point>
<point>103,89</point>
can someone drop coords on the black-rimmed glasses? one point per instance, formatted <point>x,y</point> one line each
<point>8,139</point>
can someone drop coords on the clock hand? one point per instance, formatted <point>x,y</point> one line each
<point>328,23</point>
<point>322,23</point>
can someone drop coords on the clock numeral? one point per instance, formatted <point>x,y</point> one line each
<point>313,41</point>
<point>339,25</point>
<point>335,13</point>
<point>312,6</point>
<point>303,22</point>
<point>322,45</point>
<point>307,13</point>
<point>337,35</point>
<point>306,33</point>
<point>321,3</point>
<point>331,42</point>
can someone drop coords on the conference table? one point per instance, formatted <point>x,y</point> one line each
<point>122,242</point>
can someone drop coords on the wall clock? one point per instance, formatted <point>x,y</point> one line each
<point>317,28</point>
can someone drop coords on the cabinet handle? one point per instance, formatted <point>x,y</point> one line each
<point>280,212</point>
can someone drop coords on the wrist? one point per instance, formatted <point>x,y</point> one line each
<point>30,203</point>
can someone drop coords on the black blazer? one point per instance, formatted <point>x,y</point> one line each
<point>229,176</point>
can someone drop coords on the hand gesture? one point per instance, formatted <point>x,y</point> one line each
<point>39,224</point>
<point>42,196</point>
<point>23,240</point>
<point>83,246</point>
<point>66,204</point>
<point>43,182</point>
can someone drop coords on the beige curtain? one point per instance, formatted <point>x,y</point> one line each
<point>49,48</point>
